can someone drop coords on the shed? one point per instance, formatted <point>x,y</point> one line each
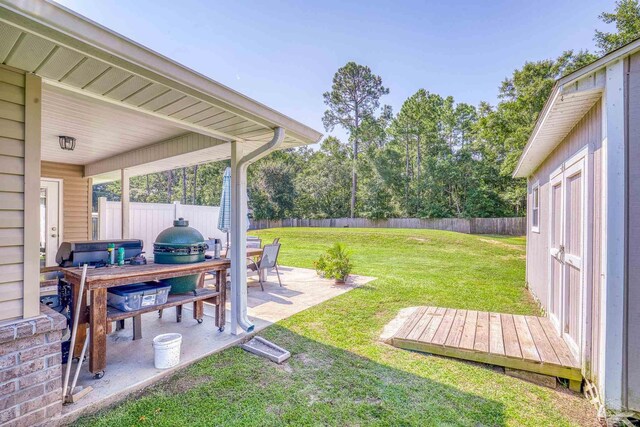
<point>582,165</point>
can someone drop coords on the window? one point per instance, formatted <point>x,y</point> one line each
<point>535,208</point>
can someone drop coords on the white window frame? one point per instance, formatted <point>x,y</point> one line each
<point>535,188</point>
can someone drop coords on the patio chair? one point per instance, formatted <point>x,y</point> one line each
<point>254,242</point>
<point>268,260</point>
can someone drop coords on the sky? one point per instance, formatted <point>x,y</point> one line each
<point>284,53</point>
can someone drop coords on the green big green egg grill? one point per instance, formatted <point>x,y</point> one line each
<point>180,244</point>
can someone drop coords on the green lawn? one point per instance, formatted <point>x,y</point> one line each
<point>340,374</point>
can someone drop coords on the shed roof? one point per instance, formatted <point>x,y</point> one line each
<point>571,98</point>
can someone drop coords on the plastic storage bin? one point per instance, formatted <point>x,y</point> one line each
<point>137,296</point>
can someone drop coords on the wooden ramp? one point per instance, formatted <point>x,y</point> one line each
<point>527,343</point>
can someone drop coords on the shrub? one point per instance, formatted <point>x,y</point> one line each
<point>335,263</point>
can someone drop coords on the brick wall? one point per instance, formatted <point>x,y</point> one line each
<point>31,369</point>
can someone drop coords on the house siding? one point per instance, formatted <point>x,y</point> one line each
<point>12,170</point>
<point>587,132</point>
<point>76,199</point>
<point>633,238</point>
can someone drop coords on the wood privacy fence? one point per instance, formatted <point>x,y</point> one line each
<point>505,226</point>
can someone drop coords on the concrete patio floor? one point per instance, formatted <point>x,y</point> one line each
<point>130,363</point>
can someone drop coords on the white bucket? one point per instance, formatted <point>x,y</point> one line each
<point>166,349</point>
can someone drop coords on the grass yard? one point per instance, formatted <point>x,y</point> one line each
<point>340,374</point>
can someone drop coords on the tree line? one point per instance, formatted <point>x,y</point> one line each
<point>435,158</point>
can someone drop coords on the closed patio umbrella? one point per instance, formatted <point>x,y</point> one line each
<point>224,216</point>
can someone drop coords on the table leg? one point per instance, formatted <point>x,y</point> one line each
<point>98,332</point>
<point>82,320</point>
<point>221,286</point>
<point>198,306</point>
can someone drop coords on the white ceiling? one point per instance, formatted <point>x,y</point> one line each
<point>105,75</point>
<point>101,130</point>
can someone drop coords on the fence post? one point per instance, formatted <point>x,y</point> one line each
<point>102,218</point>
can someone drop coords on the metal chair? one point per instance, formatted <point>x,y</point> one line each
<point>269,259</point>
<point>254,242</point>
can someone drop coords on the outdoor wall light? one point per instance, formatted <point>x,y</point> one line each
<point>67,142</point>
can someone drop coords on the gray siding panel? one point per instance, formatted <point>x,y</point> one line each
<point>11,192</point>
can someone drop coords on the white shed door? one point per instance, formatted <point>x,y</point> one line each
<point>567,214</point>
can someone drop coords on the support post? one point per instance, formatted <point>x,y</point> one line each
<point>239,164</point>
<point>102,218</point>
<point>238,234</point>
<point>32,143</point>
<point>125,201</point>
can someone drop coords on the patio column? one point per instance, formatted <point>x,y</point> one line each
<point>125,203</point>
<point>238,236</point>
<point>240,161</point>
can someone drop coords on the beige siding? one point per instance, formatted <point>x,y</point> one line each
<point>11,193</point>
<point>588,132</point>
<point>76,199</point>
<point>633,240</point>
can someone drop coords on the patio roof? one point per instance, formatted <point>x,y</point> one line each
<point>92,76</point>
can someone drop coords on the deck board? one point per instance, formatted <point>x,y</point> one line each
<point>455,334</point>
<point>519,342</point>
<point>496,343</point>
<point>545,349</point>
<point>469,330</point>
<point>511,344</point>
<point>411,322</point>
<point>482,332</point>
<point>445,326</point>
<point>431,330</point>
<point>421,325</point>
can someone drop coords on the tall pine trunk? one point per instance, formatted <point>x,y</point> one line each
<point>170,185</point>
<point>406,172</point>
<point>354,179</point>
<point>354,173</point>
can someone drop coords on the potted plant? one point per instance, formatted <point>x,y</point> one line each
<point>335,264</point>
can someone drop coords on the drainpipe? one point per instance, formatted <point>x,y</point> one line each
<point>239,165</point>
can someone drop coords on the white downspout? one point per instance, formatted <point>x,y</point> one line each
<point>239,165</point>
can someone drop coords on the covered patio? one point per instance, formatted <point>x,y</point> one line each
<point>82,105</point>
<point>131,362</point>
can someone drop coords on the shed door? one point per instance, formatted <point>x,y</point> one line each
<point>573,277</point>
<point>556,248</point>
<point>567,201</point>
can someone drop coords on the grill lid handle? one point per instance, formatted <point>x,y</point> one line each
<point>180,222</point>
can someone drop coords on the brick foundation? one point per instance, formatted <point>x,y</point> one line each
<point>31,369</point>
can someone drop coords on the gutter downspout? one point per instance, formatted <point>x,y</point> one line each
<point>239,164</point>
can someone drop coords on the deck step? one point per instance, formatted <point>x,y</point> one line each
<point>526,343</point>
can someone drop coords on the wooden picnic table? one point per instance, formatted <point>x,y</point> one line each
<point>99,280</point>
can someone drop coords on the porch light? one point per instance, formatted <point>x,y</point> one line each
<point>67,142</point>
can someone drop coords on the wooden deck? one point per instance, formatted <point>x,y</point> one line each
<point>527,343</point>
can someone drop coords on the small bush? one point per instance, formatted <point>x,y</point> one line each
<point>335,263</point>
